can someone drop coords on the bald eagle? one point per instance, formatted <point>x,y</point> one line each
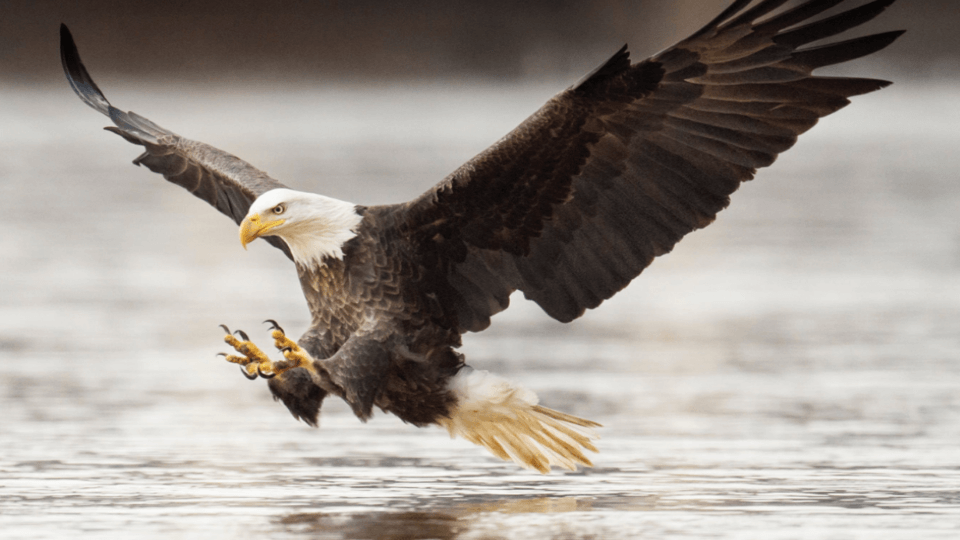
<point>568,208</point>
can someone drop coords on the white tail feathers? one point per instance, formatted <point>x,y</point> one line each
<point>505,418</point>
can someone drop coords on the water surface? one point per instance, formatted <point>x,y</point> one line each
<point>790,372</point>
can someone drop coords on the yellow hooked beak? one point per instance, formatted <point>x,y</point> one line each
<point>252,227</point>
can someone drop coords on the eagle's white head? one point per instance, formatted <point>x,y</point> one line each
<point>315,227</point>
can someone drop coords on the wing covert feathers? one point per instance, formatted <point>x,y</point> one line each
<point>223,180</point>
<point>576,201</point>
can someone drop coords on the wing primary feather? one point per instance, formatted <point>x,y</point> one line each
<point>844,51</point>
<point>219,178</point>
<point>84,86</point>
<point>760,75</point>
<point>77,75</point>
<point>732,10</point>
<point>841,86</point>
<point>832,26</point>
<point>756,12</point>
<point>650,153</point>
<point>740,123</point>
<point>765,57</point>
<point>794,16</point>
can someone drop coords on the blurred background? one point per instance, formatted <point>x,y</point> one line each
<point>791,371</point>
<point>257,41</point>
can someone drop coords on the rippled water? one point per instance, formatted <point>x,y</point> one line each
<point>792,371</point>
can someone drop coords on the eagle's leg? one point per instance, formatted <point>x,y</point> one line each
<point>255,362</point>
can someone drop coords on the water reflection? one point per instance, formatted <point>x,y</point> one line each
<point>439,523</point>
<point>482,519</point>
<point>376,525</point>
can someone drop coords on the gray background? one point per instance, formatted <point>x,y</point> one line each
<point>254,42</point>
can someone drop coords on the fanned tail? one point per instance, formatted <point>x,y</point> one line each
<point>506,419</point>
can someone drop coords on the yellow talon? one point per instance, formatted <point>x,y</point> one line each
<point>247,374</point>
<point>255,363</point>
<point>234,359</point>
<point>281,341</point>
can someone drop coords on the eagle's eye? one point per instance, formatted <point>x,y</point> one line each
<point>278,209</point>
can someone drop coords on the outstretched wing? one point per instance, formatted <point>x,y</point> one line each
<point>225,181</point>
<point>576,201</point>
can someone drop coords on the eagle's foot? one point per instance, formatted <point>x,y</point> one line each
<point>255,362</point>
<point>293,355</point>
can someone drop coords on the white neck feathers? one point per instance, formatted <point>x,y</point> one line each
<point>315,227</point>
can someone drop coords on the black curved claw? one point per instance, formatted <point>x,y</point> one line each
<point>223,354</point>
<point>265,375</point>
<point>285,349</point>
<point>243,335</point>
<point>247,375</point>
<point>274,325</point>
<point>225,329</point>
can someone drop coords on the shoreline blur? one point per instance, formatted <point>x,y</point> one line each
<point>375,41</point>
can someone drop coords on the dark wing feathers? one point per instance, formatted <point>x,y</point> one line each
<point>578,200</point>
<point>831,26</point>
<point>225,181</point>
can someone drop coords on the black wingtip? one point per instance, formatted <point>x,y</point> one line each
<point>77,74</point>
